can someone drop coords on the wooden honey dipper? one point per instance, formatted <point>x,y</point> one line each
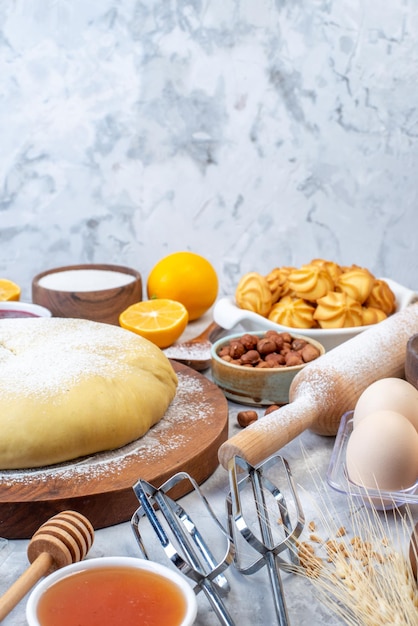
<point>61,540</point>
<point>327,388</point>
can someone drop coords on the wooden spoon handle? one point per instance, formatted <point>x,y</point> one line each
<point>24,583</point>
<point>209,334</point>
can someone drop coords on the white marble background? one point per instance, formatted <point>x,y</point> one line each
<point>256,132</point>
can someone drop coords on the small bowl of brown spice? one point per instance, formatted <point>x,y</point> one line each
<point>257,368</point>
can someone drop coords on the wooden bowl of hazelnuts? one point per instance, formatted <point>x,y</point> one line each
<point>257,368</point>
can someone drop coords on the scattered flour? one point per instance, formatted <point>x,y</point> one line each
<point>190,352</point>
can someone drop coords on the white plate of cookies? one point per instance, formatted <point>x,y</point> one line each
<point>321,300</point>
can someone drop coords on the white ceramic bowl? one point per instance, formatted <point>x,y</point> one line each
<point>251,385</point>
<point>228,315</point>
<point>110,562</point>
<point>12,308</point>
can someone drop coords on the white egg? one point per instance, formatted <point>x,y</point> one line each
<point>382,452</point>
<point>388,394</point>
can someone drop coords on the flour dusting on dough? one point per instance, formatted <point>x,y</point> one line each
<point>60,353</point>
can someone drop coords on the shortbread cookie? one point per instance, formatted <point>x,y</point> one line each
<point>253,294</point>
<point>294,312</point>
<point>338,310</point>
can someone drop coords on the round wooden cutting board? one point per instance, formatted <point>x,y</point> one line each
<point>100,486</point>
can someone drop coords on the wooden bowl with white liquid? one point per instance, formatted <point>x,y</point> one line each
<point>97,292</point>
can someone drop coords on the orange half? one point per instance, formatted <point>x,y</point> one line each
<point>159,320</point>
<point>9,290</point>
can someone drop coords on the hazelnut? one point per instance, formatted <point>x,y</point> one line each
<point>271,333</point>
<point>293,358</point>
<point>276,337</point>
<point>266,346</point>
<point>298,344</point>
<point>286,347</point>
<point>251,357</point>
<point>245,418</point>
<point>271,408</point>
<point>236,349</point>
<point>275,359</point>
<point>249,341</point>
<point>309,353</point>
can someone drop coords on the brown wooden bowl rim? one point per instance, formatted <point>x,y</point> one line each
<point>92,266</point>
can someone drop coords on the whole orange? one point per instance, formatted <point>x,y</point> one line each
<point>187,278</point>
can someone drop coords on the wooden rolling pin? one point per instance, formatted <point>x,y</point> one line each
<point>327,388</point>
<point>63,539</point>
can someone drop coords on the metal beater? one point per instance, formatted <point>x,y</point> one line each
<point>182,542</point>
<point>253,499</point>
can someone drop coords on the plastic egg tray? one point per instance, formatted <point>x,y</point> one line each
<point>338,479</point>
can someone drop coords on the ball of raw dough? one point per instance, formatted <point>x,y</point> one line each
<point>72,387</point>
